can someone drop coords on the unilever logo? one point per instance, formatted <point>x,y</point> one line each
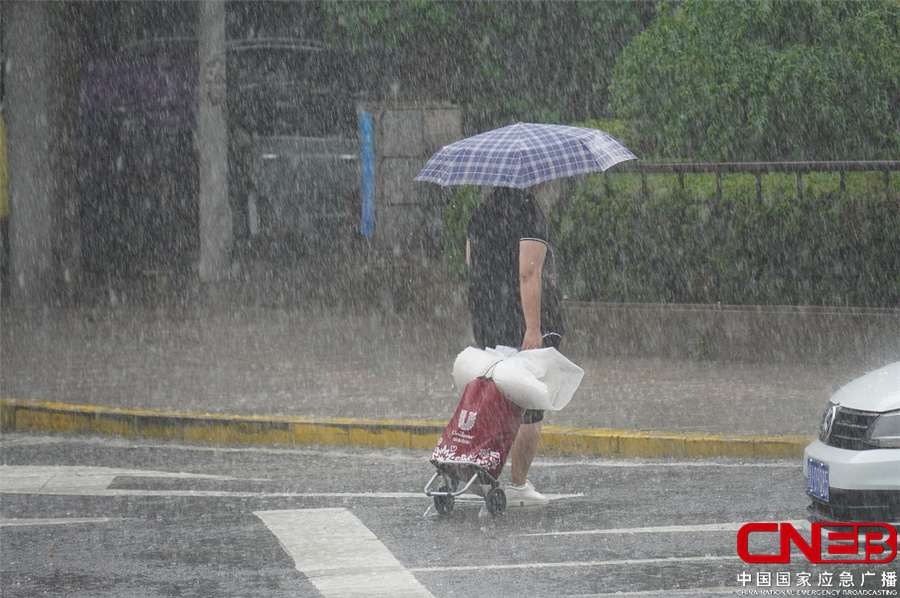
<point>467,420</point>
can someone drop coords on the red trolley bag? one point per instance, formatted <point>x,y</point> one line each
<point>474,447</point>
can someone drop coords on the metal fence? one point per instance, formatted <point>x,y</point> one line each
<point>886,167</point>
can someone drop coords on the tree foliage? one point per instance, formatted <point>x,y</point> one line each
<point>766,80</point>
<point>503,61</point>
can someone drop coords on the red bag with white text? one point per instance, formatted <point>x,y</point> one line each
<point>481,432</point>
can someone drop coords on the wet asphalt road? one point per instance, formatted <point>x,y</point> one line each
<point>94,517</point>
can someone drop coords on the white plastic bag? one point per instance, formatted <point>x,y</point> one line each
<point>473,363</point>
<point>533,379</point>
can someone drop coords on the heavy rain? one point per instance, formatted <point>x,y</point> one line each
<point>232,317</point>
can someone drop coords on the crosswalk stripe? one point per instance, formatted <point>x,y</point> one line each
<point>340,555</point>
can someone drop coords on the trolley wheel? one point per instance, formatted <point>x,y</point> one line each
<point>496,501</point>
<point>443,504</point>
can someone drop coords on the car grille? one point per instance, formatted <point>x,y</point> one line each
<point>863,506</point>
<point>849,429</point>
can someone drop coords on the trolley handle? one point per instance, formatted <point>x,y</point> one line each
<point>485,375</point>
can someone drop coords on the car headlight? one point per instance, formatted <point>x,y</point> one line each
<point>885,431</point>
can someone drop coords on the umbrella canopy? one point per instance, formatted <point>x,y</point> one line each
<point>524,155</point>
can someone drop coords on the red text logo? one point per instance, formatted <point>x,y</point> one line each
<point>867,543</point>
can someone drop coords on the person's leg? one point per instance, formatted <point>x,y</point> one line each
<point>525,446</point>
<point>519,491</point>
<point>523,450</point>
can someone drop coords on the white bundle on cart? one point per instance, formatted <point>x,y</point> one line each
<point>532,379</point>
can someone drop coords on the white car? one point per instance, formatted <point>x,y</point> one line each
<point>853,469</point>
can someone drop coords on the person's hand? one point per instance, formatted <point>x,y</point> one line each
<point>532,339</point>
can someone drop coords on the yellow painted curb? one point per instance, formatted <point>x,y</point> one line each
<point>633,443</point>
<point>18,415</point>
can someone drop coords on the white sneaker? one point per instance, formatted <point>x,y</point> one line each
<point>521,496</point>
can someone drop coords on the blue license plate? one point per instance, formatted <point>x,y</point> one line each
<point>817,479</point>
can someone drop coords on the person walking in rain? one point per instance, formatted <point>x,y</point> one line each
<point>507,250</point>
<point>514,301</point>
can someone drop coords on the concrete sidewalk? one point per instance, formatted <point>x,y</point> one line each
<point>308,375</point>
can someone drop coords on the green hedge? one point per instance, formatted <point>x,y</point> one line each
<point>681,245</point>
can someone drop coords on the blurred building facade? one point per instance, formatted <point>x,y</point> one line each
<point>117,113</point>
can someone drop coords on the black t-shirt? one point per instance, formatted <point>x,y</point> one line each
<point>498,225</point>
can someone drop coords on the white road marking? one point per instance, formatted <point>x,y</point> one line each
<point>95,481</point>
<point>571,564</point>
<point>22,479</point>
<point>52,521</point>
<point>340,555</point>
<point>670,529</point>
<point>113,492</point>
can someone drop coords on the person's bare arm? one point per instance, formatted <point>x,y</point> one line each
<point>531,264</point>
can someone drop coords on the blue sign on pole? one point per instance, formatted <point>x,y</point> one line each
<point>367,215</point>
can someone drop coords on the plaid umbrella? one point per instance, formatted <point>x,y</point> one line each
<point>523,155</point>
